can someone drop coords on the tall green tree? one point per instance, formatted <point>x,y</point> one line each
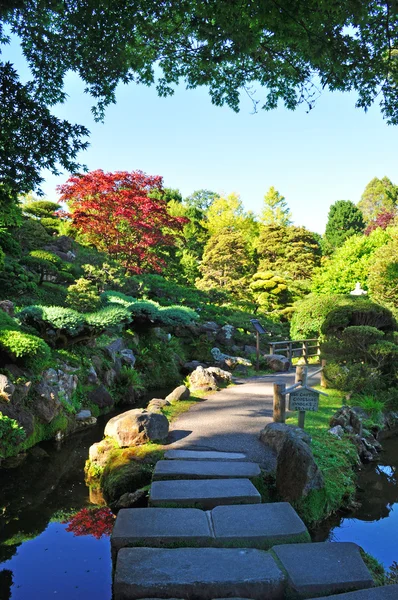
<point>292,251</point>
<point>383,274</point>
<point>344,220</point>
<point>287,49</point>
<point>270,291</point>
<point>226,263</point>
<point>275,211</point>
<point>201,199</point>
<point>228,212</point>
<point>379,196</point>
<point>349,264</point>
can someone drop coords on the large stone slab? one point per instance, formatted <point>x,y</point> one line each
<point>203,455</point>
<point>323,568</point>
<point>157,527</point>
<point>258,525</point>
<point>203,573</point>
<point>203,493</point>
<point>202,469</point>
<point>386,592</point>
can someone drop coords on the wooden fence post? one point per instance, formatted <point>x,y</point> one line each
<point>279,412</point>
<point>299,373</point>
<point>323,378</point>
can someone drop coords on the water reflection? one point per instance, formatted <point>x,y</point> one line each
<point>374,524</point>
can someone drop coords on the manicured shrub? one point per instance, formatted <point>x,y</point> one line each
<point>44,318</point>
<point>108,317</point>
<point>9,244</point>
<point>32,235</point>
<point>83,296</point>
<point>29,350</point>
<point>310,314</point>
<point>16,283</point>
<point>50,224</point>
<point>176,315</point>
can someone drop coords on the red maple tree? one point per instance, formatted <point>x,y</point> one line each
<point>117,215</point>
<point>383,220</point>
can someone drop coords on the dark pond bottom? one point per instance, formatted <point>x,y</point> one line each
<point>374,525</point>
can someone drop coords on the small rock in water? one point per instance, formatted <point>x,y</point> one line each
<point>83,414</point>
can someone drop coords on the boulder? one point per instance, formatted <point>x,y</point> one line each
<point>225,335</point>
<point>156,405</point>
<point>202,379</point>
<point>47,405</point>
<point>180,393</point>
<point>250,350</point>
<point>277,362</point>
<point>337,431</point>
<point>209,326</point>
<point>109,377</point>
<point>221,376</point>
<point>83,414</point>
<point>98,453</point>
<point>100,397</point>
<point>192,365</point>
<point>114,348</point>
<point>136,427</point>
<point>92,376</point>
<point>130,500</point>
<point>7,306</point>
<point>296,473</point>
<point>7,388</point>
<point>225,361</point>
<point>127,357</point>
<point>275,435</point>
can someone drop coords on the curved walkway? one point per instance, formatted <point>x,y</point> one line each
<point>230,420</point>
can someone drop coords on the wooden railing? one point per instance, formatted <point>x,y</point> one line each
<point>296,348</point>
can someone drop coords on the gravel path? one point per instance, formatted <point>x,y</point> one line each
<point>230,420</point>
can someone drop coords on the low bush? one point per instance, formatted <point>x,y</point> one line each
<point>45,318</point>
<point>83,296</point>
<point>11,435</point>
<point>28,350</point>
<point>7,322</point>
<point>107,318</point>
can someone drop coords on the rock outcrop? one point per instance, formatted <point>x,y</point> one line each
<point>137,426</point>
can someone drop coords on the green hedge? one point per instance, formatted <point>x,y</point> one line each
<point>29,350</point>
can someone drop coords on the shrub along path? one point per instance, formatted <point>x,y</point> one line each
<point>231,419</point>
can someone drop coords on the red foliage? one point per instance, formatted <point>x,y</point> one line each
<point>117,216</point>
<point>92,521</point>
<point>382,220</point>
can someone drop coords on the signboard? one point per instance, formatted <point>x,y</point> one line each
<point>304,399</point>
<point>257,326</point>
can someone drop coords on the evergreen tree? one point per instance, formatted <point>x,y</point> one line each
<point>226,263</point>
<point>276,210</point>
<point>380,195</point>
<point>344,220</point>
<point>270,291</point>
<point>292,251</point>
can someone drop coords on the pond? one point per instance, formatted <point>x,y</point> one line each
<point>39,558</point>
<point>374,524</point>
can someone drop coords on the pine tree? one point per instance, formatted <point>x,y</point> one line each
<point>276,210</point>
<point>344,220</point>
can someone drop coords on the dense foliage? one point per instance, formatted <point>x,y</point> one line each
<point>116,213</point>
<point>344,220</point>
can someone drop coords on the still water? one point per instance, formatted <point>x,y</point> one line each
<point>374,524</point>
<point>41,560</point>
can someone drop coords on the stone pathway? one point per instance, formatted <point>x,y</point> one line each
<point>206,535</point>
<point>231,419</point>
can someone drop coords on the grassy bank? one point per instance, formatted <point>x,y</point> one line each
<point>336,458</point>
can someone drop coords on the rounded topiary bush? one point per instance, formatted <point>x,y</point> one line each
<point>28,350</point>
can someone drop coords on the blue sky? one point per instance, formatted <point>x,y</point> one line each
<point>312,159</point>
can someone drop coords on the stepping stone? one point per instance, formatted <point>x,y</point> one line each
<point>386,592</point>
<point>203,455</point>
<point>201,469</point>
<point>161,527</point>
<point>203,573</point>
<point>203,493</point>
<point>323,568</point>
<point>258,525</point>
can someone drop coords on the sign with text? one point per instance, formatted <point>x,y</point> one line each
<point>304,399</point>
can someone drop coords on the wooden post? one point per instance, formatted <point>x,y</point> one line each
<point>301,418</point>
<point>279,412</point>
<point>305,351</point>
<point>323,378</point>
<point>258,352</point>
<point>299,374</point>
